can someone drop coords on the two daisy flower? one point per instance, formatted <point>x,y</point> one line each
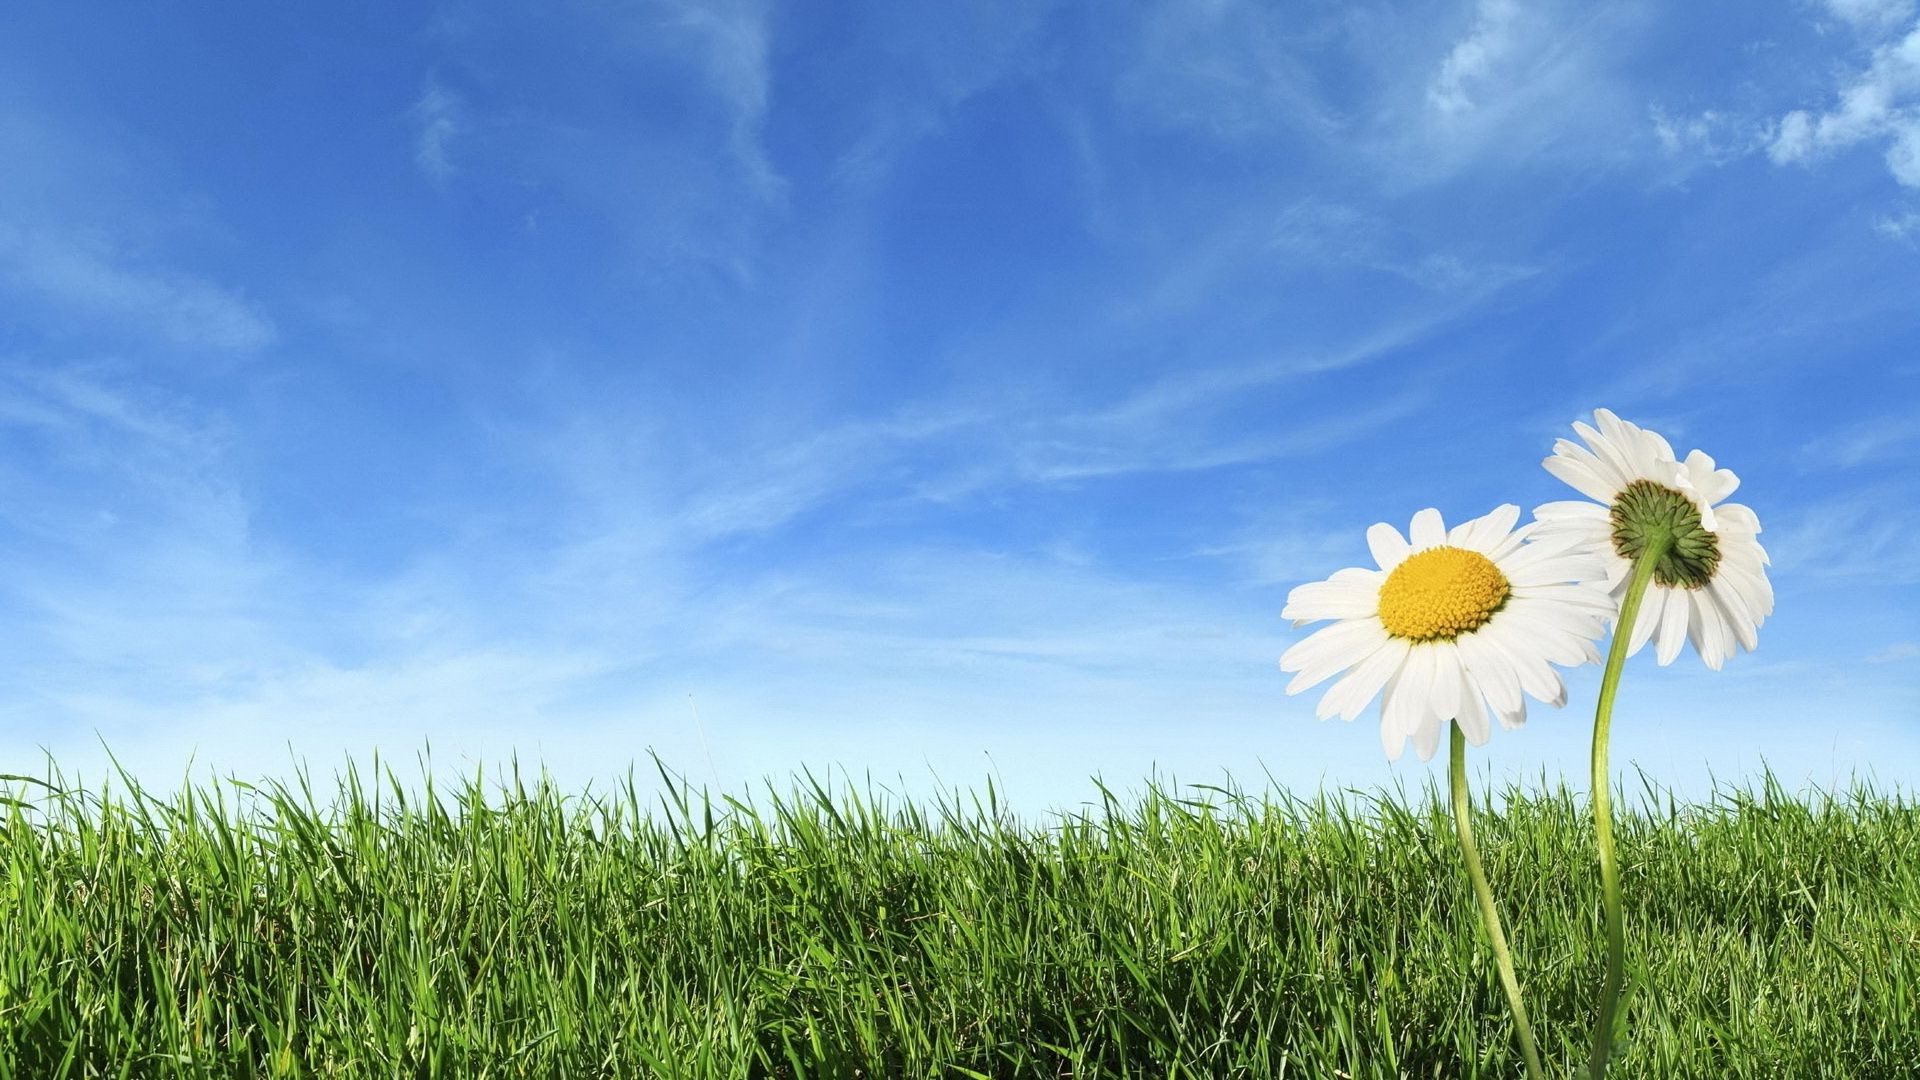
<point>1457,625</point>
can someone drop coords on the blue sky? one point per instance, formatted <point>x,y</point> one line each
<point>936,391</point>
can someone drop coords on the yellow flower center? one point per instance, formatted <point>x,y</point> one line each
<point>1440,593</point>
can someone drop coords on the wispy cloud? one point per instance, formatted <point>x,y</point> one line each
<point>1326,233</point>
<point>1862,443</point>
<point>1904,225</point>
<point>1709,137</point>
<point>1880,103</point>
<point>1864,535</point>
<point>684,179</point>
<point>940,57</point>
<point>1521,84</point>
<point>1121,443</point>
<point>86,274</point>
<point>1871,14</point>
<point>1475,58</point>
<point>733,38</point>
<point>1233,69</point>
<point>128,544</point>
<point>1896,653</point>
<point>439,118</point>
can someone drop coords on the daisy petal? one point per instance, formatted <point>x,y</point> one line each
<point>1389,548</point>
<point>1350,697</point>
<point>1327,652</point>
<point>1428,530</point>
<point>1427,739</point>
<point>1353,593</point>
<point>1582,478</point>
<point>1491,672</point>
<point>1649,619</point>
<point>1485,533</point>
<point>1392,739</point>
<point>1471,712</point>
<point>1672,631</point>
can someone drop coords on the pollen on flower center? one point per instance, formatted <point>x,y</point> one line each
<point>1644,511</point>
<point>1441,593</point>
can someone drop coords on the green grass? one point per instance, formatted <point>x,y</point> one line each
<point>519,931</point>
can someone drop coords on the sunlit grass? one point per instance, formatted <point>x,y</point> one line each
<point>514,930</point>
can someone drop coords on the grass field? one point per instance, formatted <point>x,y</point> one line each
<point>512,930</point>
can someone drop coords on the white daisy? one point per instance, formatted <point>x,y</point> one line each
<point>1451,624</point>
<point>1711,588</point>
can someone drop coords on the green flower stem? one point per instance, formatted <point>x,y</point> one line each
<point>1488,916</point>
<point>1603,1023</point>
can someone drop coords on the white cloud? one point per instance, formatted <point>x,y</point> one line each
<point>683,179</point>
<point>1881,102</point>
<point>1477,57</point>
<point>1862,443</point>
<point>1871,14</point>
<point>440,116</point>
<point>1868,536</point>
<point>1710,137</point>
<point>1896,653</point>
<point>1902,226</point>
<point>941,55</point>
<point>1522,84</point>
<point>732,39</point>
<point>1322,234</point>
<point>88,275</point>
<point>1233,69</point>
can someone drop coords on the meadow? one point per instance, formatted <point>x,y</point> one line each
<point>510,929</point>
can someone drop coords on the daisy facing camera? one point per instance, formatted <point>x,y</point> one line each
<point>1451,625</point>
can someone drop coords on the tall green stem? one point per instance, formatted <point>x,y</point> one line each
<point>1603,1023</point>
<point>1488,916</point>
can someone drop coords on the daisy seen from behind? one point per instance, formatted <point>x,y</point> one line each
<point>1453,624</point>
<point>1710,587</point>
<point>1683,565</point>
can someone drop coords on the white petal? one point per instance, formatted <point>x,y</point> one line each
<point>1471,712</point>
<point>1427,739</point>
<point>1740,624</point>
<point>1350,697</point>
<point>1699,482</point>
<point>1733,610</point>
<point>1545,636</point>
<point>1651,605</point>
<point>1484,533</point>
<point>1613,454</point>
<point>1569,450</point>
<point>1756,592</point>
<point>1712,484</point>
<point>1512,542</point>
<point>1717,617</point>
<point>1552,564</point>
<point>1392,739</point>
<point>1352,593</point>
<point>1556,695</point>
<point>1672,632</point>
<point>1736,518</point>
<point>1407,695</point>
<point>1428,530</point>
<point>1535,676</point>
<point>1586,605</point>
<point>1491,672</point>
<point>1388,546</point>
<point>1582,478</point>
<point>1703,629</point>
<point>1514,719</point>
<point>1571,510</point>
<point>1328,652</point>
